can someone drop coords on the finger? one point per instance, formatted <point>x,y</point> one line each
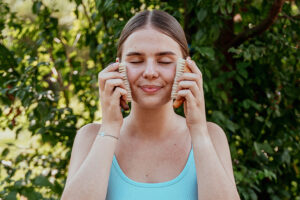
<point>190,85</point>
<point>187,94</point>
<point>122,95</point>
<point>112,67</point>
<point>192,65</point>
<point>191,77</point>
<point>106,76</point>
<point>112,84</point>
<point>119,92</point>
<point>111,75</point>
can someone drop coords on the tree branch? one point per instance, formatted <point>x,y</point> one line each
<point>65,47</point>
<point>59,77</point>
<point>257,30</point>
<point>86,14</point>
<point>292,18</point>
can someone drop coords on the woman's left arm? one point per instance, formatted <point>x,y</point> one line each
<point>211,151</point>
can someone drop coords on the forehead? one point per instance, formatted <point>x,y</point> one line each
<point>150,41</point>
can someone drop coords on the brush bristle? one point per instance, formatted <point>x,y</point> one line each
<point>122,70</point>
<point>179,72</point>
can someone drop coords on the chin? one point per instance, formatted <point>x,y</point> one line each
<point>151,102</point>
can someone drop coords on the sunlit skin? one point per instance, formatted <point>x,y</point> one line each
<point>153,130</point>
<point>152,124</point>
<point>151,58</point>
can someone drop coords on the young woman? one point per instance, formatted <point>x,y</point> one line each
<point>153,153</point>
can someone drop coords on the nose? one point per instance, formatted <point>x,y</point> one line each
<point>150,71</point>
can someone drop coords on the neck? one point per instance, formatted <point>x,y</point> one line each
<point>151,124</point>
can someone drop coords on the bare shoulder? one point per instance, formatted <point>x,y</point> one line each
<point>218,138</point>
<point>81,146</point>
<point>85,137</point>
<point>216,132</point>
<point>89,129</point>
<point>220,142</point>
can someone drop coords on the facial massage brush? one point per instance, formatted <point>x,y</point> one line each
<point>180,69</point>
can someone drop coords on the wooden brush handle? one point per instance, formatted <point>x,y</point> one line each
<point>123,104</point>
<point>177,103</point>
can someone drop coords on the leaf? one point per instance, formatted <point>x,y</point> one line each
<point>7,59</point>
<point>256,148</point>
<point>42,181</point>
<point>259,118</point>
<point>240,80</point>
<point>11,196</point>
<point>268,124</point>
<point>214,33</point>
<point>107,4</point>
<point>266,147</point>
<point>57,187</point>
<point>36,7</point>
<point>31,194</point>
<point>220,118</point>
<point>229,8</point>
<point>215,7</point>
<point>253,195</point>
<point>206,51</point>
<point>244,73</point>
<point>78,2</point>
<point>201,14</point>
<point>231,126</point>
<point>98,3</point>
<point>99,48</point>
<point>271,175</point>
<point>285,157</point>
<point>224,97</point>
<point>298,4</point>
<point>5,152</point>
<point>262,147</point>
<point>239,65</point>
<point>27,175</point>
<point>247,103</point>
<point>18,184</point>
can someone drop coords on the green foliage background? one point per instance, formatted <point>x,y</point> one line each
<point>51,53</point>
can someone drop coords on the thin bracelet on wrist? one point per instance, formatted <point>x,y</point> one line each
<point>102,134</point>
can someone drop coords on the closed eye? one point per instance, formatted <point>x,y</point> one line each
<point>165,63</point>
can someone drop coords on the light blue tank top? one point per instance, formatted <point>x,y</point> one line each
<point>183,187</point>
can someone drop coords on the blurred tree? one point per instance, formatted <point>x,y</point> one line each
<point>248,51</point>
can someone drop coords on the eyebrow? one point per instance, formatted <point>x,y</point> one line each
<point>157,54</point>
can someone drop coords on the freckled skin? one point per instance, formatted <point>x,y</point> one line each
<point>150,42</point>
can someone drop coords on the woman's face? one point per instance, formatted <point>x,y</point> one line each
<point>151,58</point>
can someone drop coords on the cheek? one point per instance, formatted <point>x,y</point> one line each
<point>133,74</point>
<point>169,74</point>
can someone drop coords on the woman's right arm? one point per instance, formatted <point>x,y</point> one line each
<point>88,175</point>
<point>92,154</point>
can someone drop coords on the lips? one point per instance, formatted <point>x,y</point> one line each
<point>150,89</point>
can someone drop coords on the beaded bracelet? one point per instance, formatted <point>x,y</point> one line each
<point>102,134</point>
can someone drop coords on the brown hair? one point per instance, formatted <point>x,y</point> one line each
<point>160,20</point>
